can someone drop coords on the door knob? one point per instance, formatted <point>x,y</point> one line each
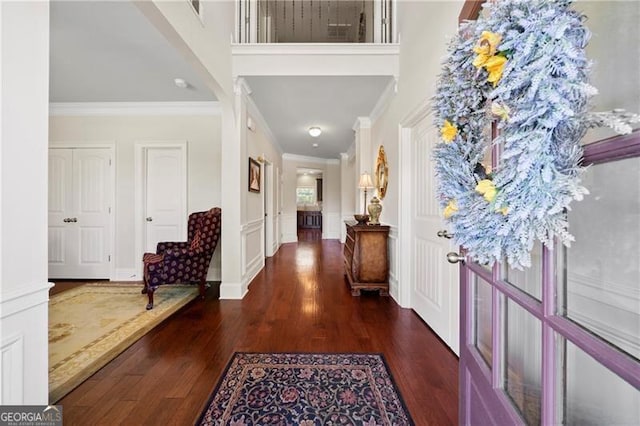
<point>444,234</point>
<point>74,219</point>
<point>453,257</point>
<point>66,220</point>
<point>149,219</point>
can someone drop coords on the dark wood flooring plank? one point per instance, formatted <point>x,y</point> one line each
<point>300,302</point>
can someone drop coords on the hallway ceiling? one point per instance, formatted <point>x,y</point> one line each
<point>291,105</point>
<point>107,51</point>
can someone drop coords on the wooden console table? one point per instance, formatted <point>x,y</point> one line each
<point>365,258</point>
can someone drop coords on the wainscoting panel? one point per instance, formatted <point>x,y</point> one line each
<point>331,226</point>
<point>11,368</point>
<point>23,348</point>
<point>252,250</point>
<point>427,270</point>
<point>393,263</point>
<point>289,228</point>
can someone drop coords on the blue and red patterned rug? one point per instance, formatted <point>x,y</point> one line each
<point>305,389</point>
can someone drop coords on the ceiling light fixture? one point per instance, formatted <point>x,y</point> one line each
<point>315,131</point>
<point>315,145</point>
<point>181,83</point>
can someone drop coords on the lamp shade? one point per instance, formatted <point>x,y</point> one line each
<point>365,181</point>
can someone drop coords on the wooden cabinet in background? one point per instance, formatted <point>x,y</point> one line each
<point>365,258</point>
<point>309,219</point>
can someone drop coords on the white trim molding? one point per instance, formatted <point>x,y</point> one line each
<point>331,225</point>
<point>134,108</point>
<point>405,232</point>
<point>252,266</point>
<point>288,227</point>
<point>393,263</point>
<point>384,100</point>
<point>295,157</point>
<point>315,59</point>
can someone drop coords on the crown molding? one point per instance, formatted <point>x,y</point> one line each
<point>362,123</point>
<point>296,157</point>
<point>254,112</point>
<point>384,100</point>
<point>134,108</point>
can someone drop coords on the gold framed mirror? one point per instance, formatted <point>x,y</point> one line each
<point>382,173</point>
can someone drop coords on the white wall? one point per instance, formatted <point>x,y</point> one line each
<point>202,134</point>
<point>615,50</point>
<point>348,184</point>
<point>24,76</point>
<point>331,195</point>
<point>426,28</point>
<point>259,143</point>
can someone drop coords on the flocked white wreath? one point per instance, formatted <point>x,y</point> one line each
<point>523,66</point>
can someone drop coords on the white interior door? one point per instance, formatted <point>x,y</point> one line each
<point>80,195</point>
<point>165,195</point>
<point>434,282</point>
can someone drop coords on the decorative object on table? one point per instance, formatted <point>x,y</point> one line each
<point>364,183</point>
<point>375,208</point>
<point>81,344</point>
<point>305,389</point>
<point>382,173</point>
<point>187,261</point>
<point>254,175</point>
<point>522,65</point>
<point>366,258</point>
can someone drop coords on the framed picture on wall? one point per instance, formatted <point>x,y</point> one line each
<point>254,175</point>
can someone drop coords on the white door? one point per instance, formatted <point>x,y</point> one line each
<point>80,194</point>
<point>165,196</point>
<point>434,282</point>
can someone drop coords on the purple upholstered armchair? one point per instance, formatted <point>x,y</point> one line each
<point>184,262</point>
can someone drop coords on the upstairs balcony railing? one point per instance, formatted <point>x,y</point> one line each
<point>315,21</point>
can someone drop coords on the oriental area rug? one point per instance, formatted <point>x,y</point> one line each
<point>305,389</point>
<point>92,324</point>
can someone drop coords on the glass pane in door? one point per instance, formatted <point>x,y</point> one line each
<point>482,332</point>
<point>593,395</point>
<point>523,371</point>
<point>602,267</point>
<point>528,280</point>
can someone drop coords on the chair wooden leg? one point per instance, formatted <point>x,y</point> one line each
<point>201,287</point>
<point>150,292</point>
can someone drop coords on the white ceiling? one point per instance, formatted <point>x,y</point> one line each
<point>107,51</point>
<point>291,105</point>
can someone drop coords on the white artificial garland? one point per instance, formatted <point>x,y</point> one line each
<point>523,66</point>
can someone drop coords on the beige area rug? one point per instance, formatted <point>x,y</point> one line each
<point>90,325</point>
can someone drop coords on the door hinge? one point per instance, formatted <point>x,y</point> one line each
<point>109,210</point>
<point>109,258</point>
<point>109,161</point>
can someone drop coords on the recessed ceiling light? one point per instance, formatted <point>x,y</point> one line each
<point>315,131</point>
<point>181,83</point>
<point>315,145</point>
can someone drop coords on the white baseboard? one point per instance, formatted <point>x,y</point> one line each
<point>232,291</point>
<point>127,274</point>
<point>289,238</point>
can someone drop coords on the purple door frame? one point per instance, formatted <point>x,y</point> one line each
<point>481,387</point>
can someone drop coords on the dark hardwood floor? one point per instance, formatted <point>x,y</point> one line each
<point>300,302</point>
